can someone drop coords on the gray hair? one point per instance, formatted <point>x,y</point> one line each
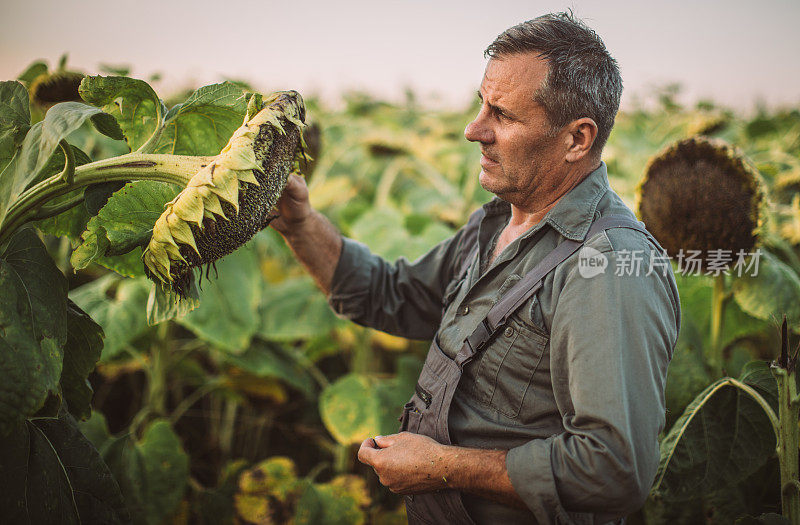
<point>583,80</point>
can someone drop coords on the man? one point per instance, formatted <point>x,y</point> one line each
<point>551,414</point>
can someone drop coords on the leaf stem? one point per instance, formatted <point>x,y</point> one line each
<point>68,173</point>
<point>176,169</point>
<point>45,212</point>
<point>152,142</point>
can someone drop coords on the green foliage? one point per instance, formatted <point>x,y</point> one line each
<point>81,353</point>
<point>722,437</point>
<point>152,472</point>
<point>359,406</point>
<point>39,144</point>
<point>228,313</point>
<point>272,361</point>
<point>132,102</point>
<point>118,306</point>
<point>50,473</point>
<point>270,492</point>
<point>293,310</point>
<point>203,123</point>
<point>33,314</point>
<point>774,290</point>
<point>124,223</point>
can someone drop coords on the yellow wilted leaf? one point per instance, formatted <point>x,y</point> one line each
<point>389,342</point>
<point>333,190</point>
<point>254,509</point>
<point>259,387</point>
<point>353,486</point>
<point>275,476</point>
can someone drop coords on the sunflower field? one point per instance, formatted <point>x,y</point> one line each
<point>245,401</point>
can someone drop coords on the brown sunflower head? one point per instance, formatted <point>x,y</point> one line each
<point>51,88</point>
<point>701,194</point>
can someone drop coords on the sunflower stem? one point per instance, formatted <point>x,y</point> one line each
<point>719,299</point>
<point>176,169</point>
<point>788,442</point>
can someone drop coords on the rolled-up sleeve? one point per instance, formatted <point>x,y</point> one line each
<point>611,339</point>
<point>403,299</point>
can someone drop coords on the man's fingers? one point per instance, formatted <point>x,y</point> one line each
<point>296,187</point>
<point>366,453</point>
<point>386,441</point>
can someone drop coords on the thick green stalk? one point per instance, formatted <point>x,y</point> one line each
<point>157,376</point>
<point>176,169</point>
<point>342,459</point>
<point>788,442</point>
<point>719,299</point>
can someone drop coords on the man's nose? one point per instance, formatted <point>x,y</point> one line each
<point>477,131</point>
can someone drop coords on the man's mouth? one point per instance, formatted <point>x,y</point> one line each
<point>486,160</point>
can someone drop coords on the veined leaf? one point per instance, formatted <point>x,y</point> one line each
<point>132,102</point>
<point>205,122</point>
<point>32,71</point>
<point>295,309</point>
<point>271,361</point>
<point>773,291</point>
<point>152,473</point>
<point>38,147</point>
<point>50,473</point>
<point>164,304</point>
<point>328,504</point>
<point>81,353</point>
<point>358,406</point>
<point>723,436</point>
<point>15,121</point>
<point>127,265</point>
<point>227,315</point>
<point>33,316</point>
<point>121,316</point>
<point>696,296</point>
<point>125,222</point>
<point>371,227</point>
<point>349,410</point>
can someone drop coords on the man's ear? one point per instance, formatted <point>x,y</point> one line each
<point>580,138</point>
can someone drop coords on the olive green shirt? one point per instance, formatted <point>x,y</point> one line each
<point>574,386</point>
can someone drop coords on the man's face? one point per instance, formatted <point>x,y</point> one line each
<point>520,157</point>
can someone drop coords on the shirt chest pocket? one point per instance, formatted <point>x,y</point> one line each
<point>505,369</point>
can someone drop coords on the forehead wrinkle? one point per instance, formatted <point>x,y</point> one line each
<point>513,81</point>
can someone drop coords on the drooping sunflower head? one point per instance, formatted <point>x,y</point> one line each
<point>701,194</point>
<point>231,198</point>
<point>51,88</point>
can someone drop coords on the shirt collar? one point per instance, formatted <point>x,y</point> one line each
<point>573,214</point>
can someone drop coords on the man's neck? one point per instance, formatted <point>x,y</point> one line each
<point>527,215</point>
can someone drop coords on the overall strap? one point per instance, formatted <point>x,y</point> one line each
<point>531,283</point>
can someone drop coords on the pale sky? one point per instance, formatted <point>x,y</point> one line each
<point>736,52</point>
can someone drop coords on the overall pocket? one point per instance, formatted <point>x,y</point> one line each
<point>411,418</point>
<point>503,373</point>
<point>421,414</point>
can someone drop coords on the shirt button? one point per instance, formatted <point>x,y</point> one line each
<point>464,310</point>
<point>508,331</point>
